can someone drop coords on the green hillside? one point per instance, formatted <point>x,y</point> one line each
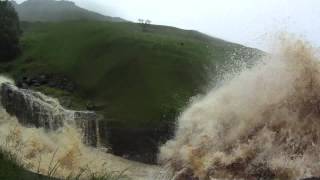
<point>140,78</point>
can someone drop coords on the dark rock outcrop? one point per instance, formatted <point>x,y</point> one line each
<point>36,109</point>
<point>54,81</point>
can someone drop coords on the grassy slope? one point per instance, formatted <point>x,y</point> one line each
<point>9,170</point>
<point>140,77</point>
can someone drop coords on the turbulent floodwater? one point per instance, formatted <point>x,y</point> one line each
<point>62,153</point>
<point>263,122</point>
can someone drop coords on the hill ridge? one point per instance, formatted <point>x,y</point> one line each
<point>55,11</point>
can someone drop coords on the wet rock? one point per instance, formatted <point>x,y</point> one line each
<point>69,87</point>
<point>52,84</point>
<point>36,84</point>
<point>54,81</point>
<point>43,79</point>
<point>24,86</point>
<point>27,81</point>
<point>91,106</point>
<point>65,102</point>
<point>36,109</point>
<point>35,81</point>
<point>29,107</point>
<point>89,124</point>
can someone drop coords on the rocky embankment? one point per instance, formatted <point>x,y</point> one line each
<point>36,109</point>
<point>50,80</point>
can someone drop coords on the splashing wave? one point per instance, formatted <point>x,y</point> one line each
<point>263,123</point>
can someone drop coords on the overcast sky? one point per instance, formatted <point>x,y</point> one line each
<point>249,22</point>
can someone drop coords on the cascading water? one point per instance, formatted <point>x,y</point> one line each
<point>36,109</point>
<point>262,123</point>
<point>54,141</point>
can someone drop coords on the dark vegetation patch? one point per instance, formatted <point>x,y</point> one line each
<point>11,170</point>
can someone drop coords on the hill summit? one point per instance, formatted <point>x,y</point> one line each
<point>53,11</point>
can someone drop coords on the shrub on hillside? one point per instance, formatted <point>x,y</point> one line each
<point>9,31</point>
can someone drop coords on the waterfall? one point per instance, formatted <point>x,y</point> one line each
<point>36,109</point>
<point>42,135</point>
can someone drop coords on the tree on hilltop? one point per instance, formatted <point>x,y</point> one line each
<point>145,24</point>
